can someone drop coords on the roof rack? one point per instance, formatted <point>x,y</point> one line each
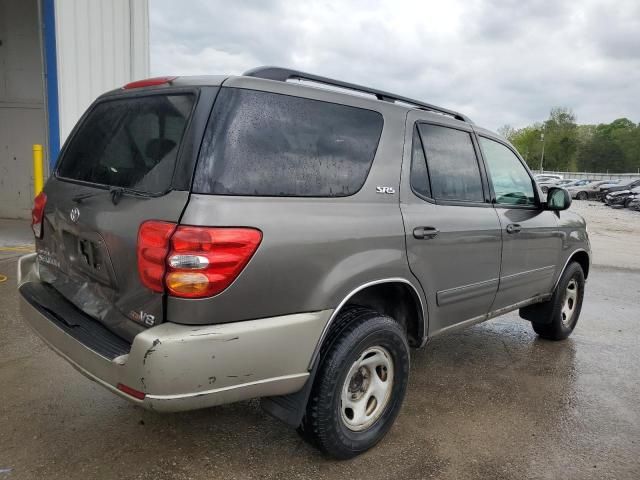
<point>284,74</point>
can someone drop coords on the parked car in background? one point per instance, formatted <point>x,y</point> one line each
<point>585,191</point>
<point>634,204</point>
<point>621,197</point>
<point>617,187</point>
<point>545,184</point>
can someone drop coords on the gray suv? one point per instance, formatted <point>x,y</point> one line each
<point>205,240</point>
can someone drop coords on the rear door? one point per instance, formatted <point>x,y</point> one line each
<point>138,141</point>
<point>452,232</point>
<point>532,242</point>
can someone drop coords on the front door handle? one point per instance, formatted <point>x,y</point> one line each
<point>422,233</point>
<point>513,228</point>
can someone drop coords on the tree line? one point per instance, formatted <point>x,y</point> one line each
<point>608,147</point>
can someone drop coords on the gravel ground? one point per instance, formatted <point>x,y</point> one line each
<point>614,233</point>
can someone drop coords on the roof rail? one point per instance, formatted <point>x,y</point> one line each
<point>284,74</point>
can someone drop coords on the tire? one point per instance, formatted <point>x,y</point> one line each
<point>582,196</point>
<point>369,354</point>
<point>557,318</point>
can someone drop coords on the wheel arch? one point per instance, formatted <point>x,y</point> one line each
<point>397,297</point>
<point>584,260</point>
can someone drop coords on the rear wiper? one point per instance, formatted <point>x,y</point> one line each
<point>116,194</point>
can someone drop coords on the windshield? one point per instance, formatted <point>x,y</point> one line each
<point>130,142</point>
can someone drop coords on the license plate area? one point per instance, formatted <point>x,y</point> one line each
<point>87,253</point>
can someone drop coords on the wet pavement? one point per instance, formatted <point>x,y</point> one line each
<point>490,402</point>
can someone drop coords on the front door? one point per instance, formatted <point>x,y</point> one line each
<point>452,231</point>
<point>530,234</point>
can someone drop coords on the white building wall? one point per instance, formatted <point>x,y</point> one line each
<point>22,117</point>
<point>101,45</point>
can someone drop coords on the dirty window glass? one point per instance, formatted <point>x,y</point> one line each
<point>512,184</point>
<point>266,144</point>
<point>419,174</point>
<point>452,163</point>
<point>130,143</point>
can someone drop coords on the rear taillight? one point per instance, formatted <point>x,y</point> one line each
<point>153,247</point>
<point>37,214</point>
<point>193,262</point>
<point>203,261</point>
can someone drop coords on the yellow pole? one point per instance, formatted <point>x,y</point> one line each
<point>38,170</point>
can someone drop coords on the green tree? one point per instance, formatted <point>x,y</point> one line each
<point>561,140</point>
<point>527,141</point>
<point>601,154</point>
<point>612,147</point>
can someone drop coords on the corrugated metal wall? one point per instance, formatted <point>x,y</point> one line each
<point>101,45</point>
<point>22,118</point>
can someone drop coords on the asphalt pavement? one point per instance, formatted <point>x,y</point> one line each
<point>490,402</point>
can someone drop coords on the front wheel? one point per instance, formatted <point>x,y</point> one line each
<point>557,318</point>
<point>360,385</point>
<point>582,196</point>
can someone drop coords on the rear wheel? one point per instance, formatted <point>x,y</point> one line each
<point>582,196</point>
<point>557,318</point>
<point>360,385</point>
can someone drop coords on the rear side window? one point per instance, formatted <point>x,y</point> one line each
<point>419,174</point>
<point>266,144</point>
<point>452,163</point>
<point>130,143</point>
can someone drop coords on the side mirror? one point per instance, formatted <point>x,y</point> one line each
<point>558,199</point>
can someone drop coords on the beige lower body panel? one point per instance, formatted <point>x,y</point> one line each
<point>181,367</point>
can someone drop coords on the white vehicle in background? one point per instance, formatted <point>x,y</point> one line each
<point>545,184</point>
<point>543,177</point>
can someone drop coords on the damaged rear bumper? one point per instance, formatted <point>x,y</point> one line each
<point>179,367</point>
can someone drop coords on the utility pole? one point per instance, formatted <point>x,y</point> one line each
<point>542,156</point>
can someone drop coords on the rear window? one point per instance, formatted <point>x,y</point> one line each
<point>266,144</point>
<point>130,143</point>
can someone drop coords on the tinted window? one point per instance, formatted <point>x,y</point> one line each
<point>261,143</point>
<point>419,175</point>
<point>453,166</point>
<point>512,184</point>
<point>129,143</point>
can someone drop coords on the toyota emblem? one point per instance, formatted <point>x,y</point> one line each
<point>74,214</point>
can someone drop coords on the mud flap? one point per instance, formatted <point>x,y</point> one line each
<point>291,408</point>
<point>539,312</point>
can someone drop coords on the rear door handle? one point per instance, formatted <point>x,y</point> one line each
<point>422,233</point>
<point>513,228</point>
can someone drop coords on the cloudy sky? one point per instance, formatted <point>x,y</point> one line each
<point>498,61</point>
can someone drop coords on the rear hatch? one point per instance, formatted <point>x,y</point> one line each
<point>129,160</point>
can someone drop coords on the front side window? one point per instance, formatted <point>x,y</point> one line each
<point>452,164</point>
<point>267,144</point>
<point>511,182</point>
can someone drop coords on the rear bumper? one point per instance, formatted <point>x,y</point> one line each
<point>182,367</point>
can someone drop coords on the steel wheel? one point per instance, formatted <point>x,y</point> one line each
<point>570,301</point>
<point>367,389</point>
<point>582,195</point>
